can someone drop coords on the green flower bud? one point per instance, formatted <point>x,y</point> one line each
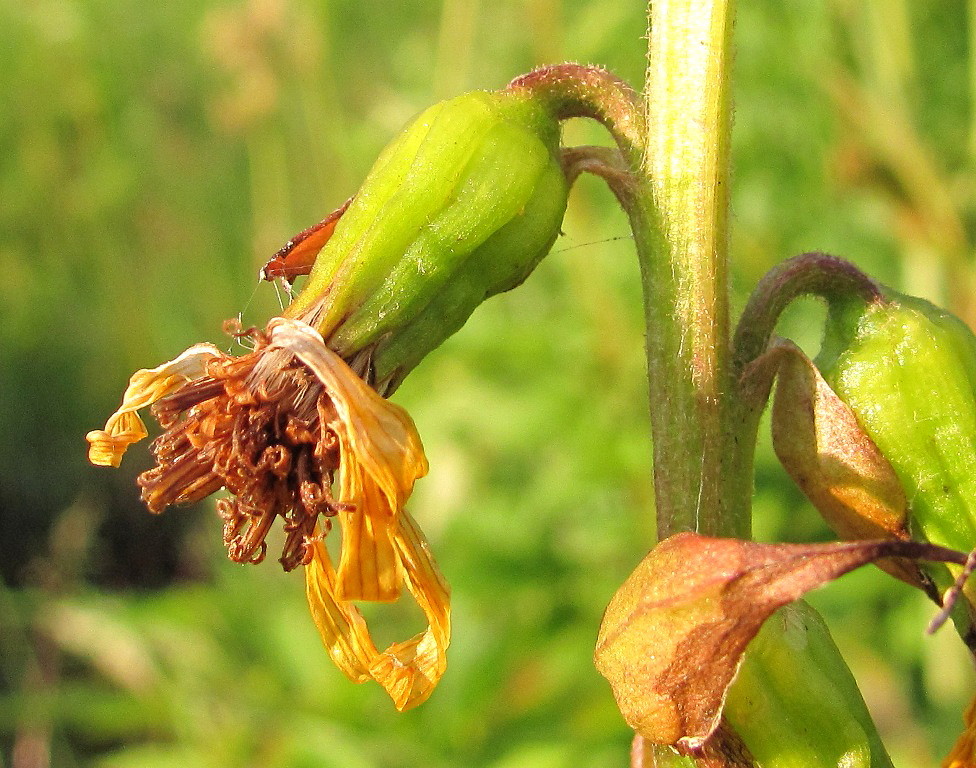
<point>794,702</point>
<point>461,206</point>
<point>908,371</point>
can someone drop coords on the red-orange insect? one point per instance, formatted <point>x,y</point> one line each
<point>297,256</point>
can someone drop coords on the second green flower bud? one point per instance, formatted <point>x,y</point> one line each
<point>795,703</point>
<point>908,371</point>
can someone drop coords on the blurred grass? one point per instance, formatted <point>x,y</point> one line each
<point>152,156</point>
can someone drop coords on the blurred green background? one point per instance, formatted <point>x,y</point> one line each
<point>154,155</point>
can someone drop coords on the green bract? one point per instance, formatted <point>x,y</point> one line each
<point>460,206</point>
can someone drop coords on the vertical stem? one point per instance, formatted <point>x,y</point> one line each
<point>683,242</point>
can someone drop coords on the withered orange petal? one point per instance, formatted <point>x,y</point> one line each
<point>369,565</point>
<point>340,625</point>
<point>409,670</point>
<point>381,457</point>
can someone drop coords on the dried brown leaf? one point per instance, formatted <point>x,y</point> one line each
<point>674,634</point>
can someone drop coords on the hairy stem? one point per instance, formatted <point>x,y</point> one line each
<point>681,233</point>
<point>819,274</point>
<point>573,90</point>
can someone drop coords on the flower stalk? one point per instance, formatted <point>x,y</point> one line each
<point>704,430</point>
<point>460,206</point>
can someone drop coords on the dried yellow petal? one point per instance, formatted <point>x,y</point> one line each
<point>368,566</point>
<point>283,428</point>
<point>146,386</point>
<point>381,457</point>
<point>409,670</point>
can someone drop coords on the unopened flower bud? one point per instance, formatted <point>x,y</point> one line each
<point>884,441</point>
<point>794,701</point>
<point>907,369</point>
<point>460,206</point>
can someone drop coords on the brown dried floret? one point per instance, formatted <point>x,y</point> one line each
<point>269,440</point>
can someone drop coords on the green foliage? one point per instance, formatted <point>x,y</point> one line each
<point>154,155</point>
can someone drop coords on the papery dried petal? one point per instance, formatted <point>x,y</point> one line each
<point>819,440</point>
<point>282,428</point>
<point>368,565</point>
<point>381,433</point>
<point>340,625</point>
<point>380,459</point>
<point>146,386</point>
<point>832,459</point>
<point>409,670</point>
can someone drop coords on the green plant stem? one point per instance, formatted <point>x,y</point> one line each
<point>819,274</point>
<point>680,227</point>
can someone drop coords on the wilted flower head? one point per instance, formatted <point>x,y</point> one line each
<point>280,428</point>
<point>460,206</point>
